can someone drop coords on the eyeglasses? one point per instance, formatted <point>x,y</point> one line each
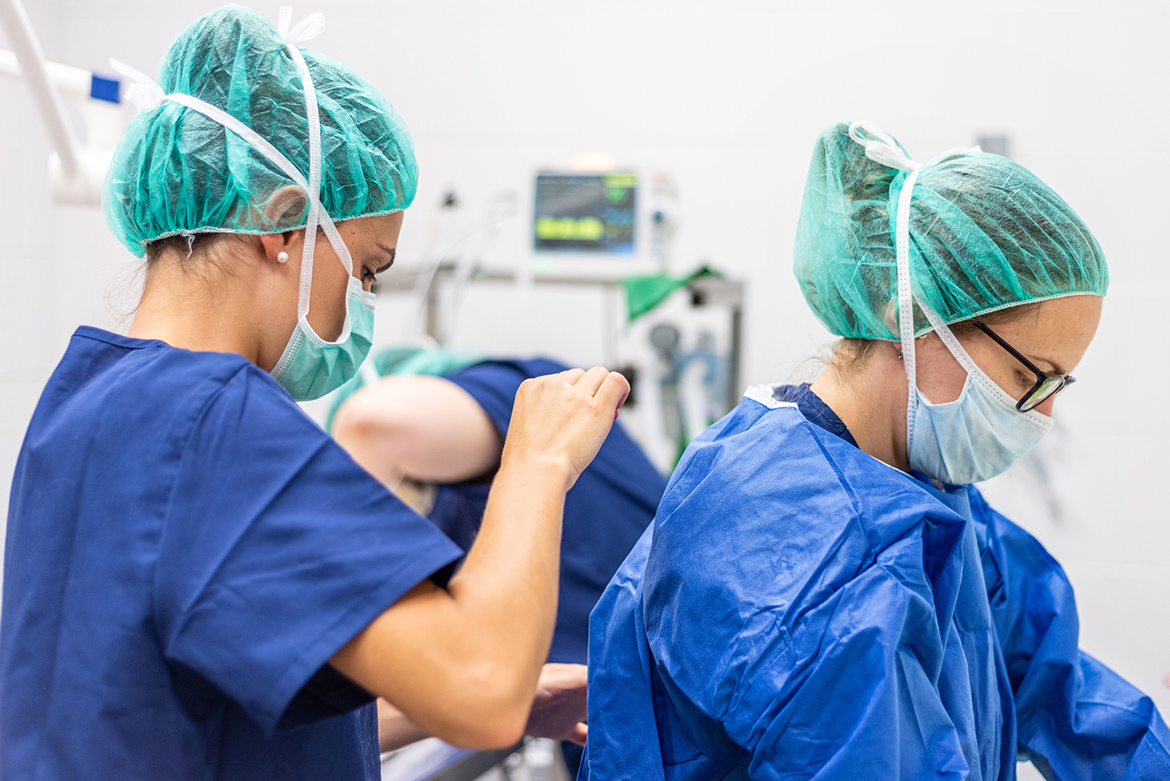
<point>1047,385</point>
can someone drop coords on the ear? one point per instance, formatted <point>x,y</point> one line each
<point>279,248</point>
<point>286,206</point>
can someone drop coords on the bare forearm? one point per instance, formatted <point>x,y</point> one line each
<point>478,646</point>
<point>463,662</point>
<point>510,577</point>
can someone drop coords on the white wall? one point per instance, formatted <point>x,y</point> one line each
<point>728,98</point>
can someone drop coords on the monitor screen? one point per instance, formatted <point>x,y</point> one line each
<point>590,213</point>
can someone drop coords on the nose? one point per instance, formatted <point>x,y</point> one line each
<point>1045,407</point>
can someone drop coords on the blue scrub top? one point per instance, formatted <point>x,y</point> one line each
<point>798,609</point>
<point>185,552</point>
<point>605,511</point>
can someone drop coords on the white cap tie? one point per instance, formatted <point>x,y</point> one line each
<point>881,147</point>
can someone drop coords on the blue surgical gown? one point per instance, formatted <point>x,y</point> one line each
<point>606,510</point>
<point>800,610</point>
<point>185,552</point>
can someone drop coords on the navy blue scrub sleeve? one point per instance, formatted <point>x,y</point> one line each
<point>493,385</point>
<point>277,550</point>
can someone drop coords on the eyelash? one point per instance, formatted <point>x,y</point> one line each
<point>367,274</point>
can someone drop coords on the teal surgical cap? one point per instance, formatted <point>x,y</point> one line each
<point>177,171</point>
<point>984,234</point>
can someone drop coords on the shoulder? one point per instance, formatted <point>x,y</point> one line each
<point>763,456</point>
<point>755,489</point>
<point>493,384</point>
<point>249,392</point>
<point>147,385</point>
<point>767,498</point>
<point>507,370</point>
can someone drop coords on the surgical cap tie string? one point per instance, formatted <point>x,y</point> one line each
<point>147,95</point>
<point>882,149</point>
<point>309,28</point>
<point>906,300</point>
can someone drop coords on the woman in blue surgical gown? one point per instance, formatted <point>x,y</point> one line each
<point>198,582</point>
<point>823,594</point>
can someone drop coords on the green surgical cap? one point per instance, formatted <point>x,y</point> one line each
<point>178,172</point>
<point>985,234</point>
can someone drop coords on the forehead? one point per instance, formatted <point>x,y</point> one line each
<point>382,228</point>
<point>1057,332</point>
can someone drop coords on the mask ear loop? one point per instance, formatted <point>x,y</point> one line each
<point>976,374</point>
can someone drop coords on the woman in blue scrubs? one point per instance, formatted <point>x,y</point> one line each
<point>439,439</point>
<point>198,582</point>
<point>823,594</point>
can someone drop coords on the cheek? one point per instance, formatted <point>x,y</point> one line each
<point>940,377</point>
<point>327,299</point>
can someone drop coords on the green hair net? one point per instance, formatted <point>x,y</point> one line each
<point>178,172</point>
<point>985,234</point>
<point>403,362</point>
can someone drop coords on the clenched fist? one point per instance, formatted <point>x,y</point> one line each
<point>560,420</point>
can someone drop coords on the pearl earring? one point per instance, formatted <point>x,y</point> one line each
<point>282,257</point>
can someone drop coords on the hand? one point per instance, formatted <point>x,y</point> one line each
<point>563,419</point>
<point>558,710</point>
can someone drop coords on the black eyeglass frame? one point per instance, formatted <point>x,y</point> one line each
<point>1042,377</point>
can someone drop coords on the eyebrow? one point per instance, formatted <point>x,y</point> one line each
<point>1055,369</point>
<point>392,252</point>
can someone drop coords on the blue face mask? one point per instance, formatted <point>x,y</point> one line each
<point>311,366</point>
<point>976,437</point>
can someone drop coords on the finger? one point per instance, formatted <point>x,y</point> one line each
<point>592,379</point>
<point>579,733</point>
<point>571,375</point>
<point>614,391</point>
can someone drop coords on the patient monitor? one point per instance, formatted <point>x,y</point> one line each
<point>592,224</point>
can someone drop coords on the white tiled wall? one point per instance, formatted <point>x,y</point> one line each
<point>728,98</point>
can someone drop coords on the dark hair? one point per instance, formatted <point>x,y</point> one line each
<point>199,255</point>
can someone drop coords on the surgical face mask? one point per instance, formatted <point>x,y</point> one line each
<point>976,437</point>
<point>981,434</point>
<point>310,366</point>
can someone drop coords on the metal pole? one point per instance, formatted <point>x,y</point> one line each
<point>734,389</point>
<point>32,64</point>
<point>69,81</point>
